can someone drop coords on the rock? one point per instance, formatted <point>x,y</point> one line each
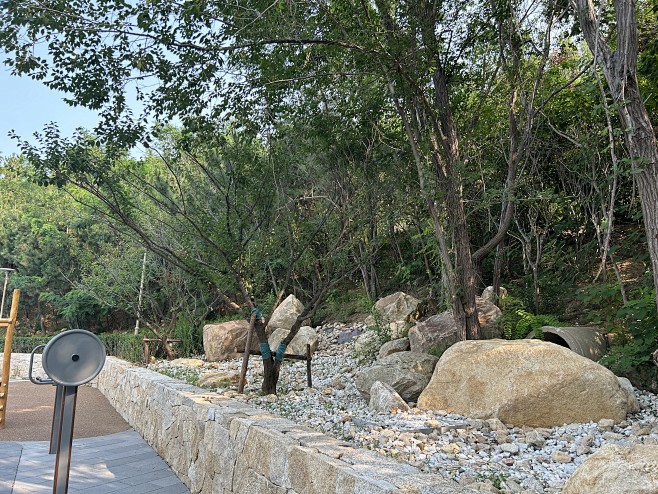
<point>406,372</point>
<point>305,336</point>
<point>440,330</point>
<point>490,317</point>
<point>368,342</point>
<point>394,312</point>
<point>560,457</point>
<point>509,448</point>
<point>383,398</point>
<point>606,424</point>
<point>523,382</point>
<point>219,379</point>
<point>534,438</point>
<point>495,424</point>
<point>347,336</point>
<point>393,346</point>
<point>188,362</point>
<point>285,315</point>
<point>227,340</point>
<point>487,293</point>
<point>626,385</point>
<point>437,331</point>
<point>617,470</point>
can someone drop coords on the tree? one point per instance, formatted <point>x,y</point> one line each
<point>413,53</point>
<point>617,56</point>
<point>44,236</point>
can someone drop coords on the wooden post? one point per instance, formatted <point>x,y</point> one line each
<point>308,366</point>
<point>245,355</point>
<point>10,324</point>
<point>147,357</point>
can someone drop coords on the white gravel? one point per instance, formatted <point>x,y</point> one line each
<point>484,454</point>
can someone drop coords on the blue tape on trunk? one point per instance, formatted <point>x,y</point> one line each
<point>280,351</point>
<point>265,351</point>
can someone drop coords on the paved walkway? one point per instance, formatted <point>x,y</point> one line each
<point>119,462</point>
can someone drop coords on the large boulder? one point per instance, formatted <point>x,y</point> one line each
<point>617,469</point>
<point>437,331</point>
<point>394,312</point>
<point>440,330</point>
<point>305,336</point>
<point>523,382</point>
<point>406,372</point>
<point>285,315</point>
<point>227,340</point>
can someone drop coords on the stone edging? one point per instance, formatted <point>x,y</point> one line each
<point>219,445</point>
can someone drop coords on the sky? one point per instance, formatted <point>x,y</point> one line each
<point>27,105</point>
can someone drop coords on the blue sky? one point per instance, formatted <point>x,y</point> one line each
<point>27,105</point>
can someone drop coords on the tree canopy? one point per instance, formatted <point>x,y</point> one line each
<point>438,147</point>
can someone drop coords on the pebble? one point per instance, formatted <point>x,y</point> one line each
<point>485,454</point>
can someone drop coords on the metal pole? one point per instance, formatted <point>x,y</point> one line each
<point>65,440</point>
<point>57,420</point>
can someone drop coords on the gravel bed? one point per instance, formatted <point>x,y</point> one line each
<point>484,454</point>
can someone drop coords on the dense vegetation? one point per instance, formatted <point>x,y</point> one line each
<point>340,152</point>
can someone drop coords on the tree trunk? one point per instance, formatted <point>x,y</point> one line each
<point>619,68</point>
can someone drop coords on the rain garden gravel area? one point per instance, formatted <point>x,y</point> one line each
<point>485,454</point>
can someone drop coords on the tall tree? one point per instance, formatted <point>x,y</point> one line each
<point>617,56</point>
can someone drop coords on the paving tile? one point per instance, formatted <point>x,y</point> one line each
<point>119,463</point>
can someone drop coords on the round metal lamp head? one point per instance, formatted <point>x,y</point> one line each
<point>73,357</point>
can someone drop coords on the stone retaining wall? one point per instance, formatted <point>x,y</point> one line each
<point>220,446</point>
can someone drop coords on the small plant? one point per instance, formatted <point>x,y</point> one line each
<point>437,350</point>
<point>519,323</point>
<point>497,479</point>
<point>380,333</point>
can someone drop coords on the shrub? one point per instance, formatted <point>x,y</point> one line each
<point>636,337</point>
<point>381,333</point>
<point>126,346</point>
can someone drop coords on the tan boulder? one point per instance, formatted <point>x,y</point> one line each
<point>523,382</point>
<point>394,312</point>
<point>440,330</point>
<point>305,336</point>
<point>226,340</point>
<point>383,398</point>
<point>286,313</point>
<point>617,470</point>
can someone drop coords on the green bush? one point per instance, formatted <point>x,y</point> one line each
<point>126,346</point>
<point>636,337</point>
<point>341,303</point>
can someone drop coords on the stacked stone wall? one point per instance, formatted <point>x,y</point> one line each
<point>218,445</point>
